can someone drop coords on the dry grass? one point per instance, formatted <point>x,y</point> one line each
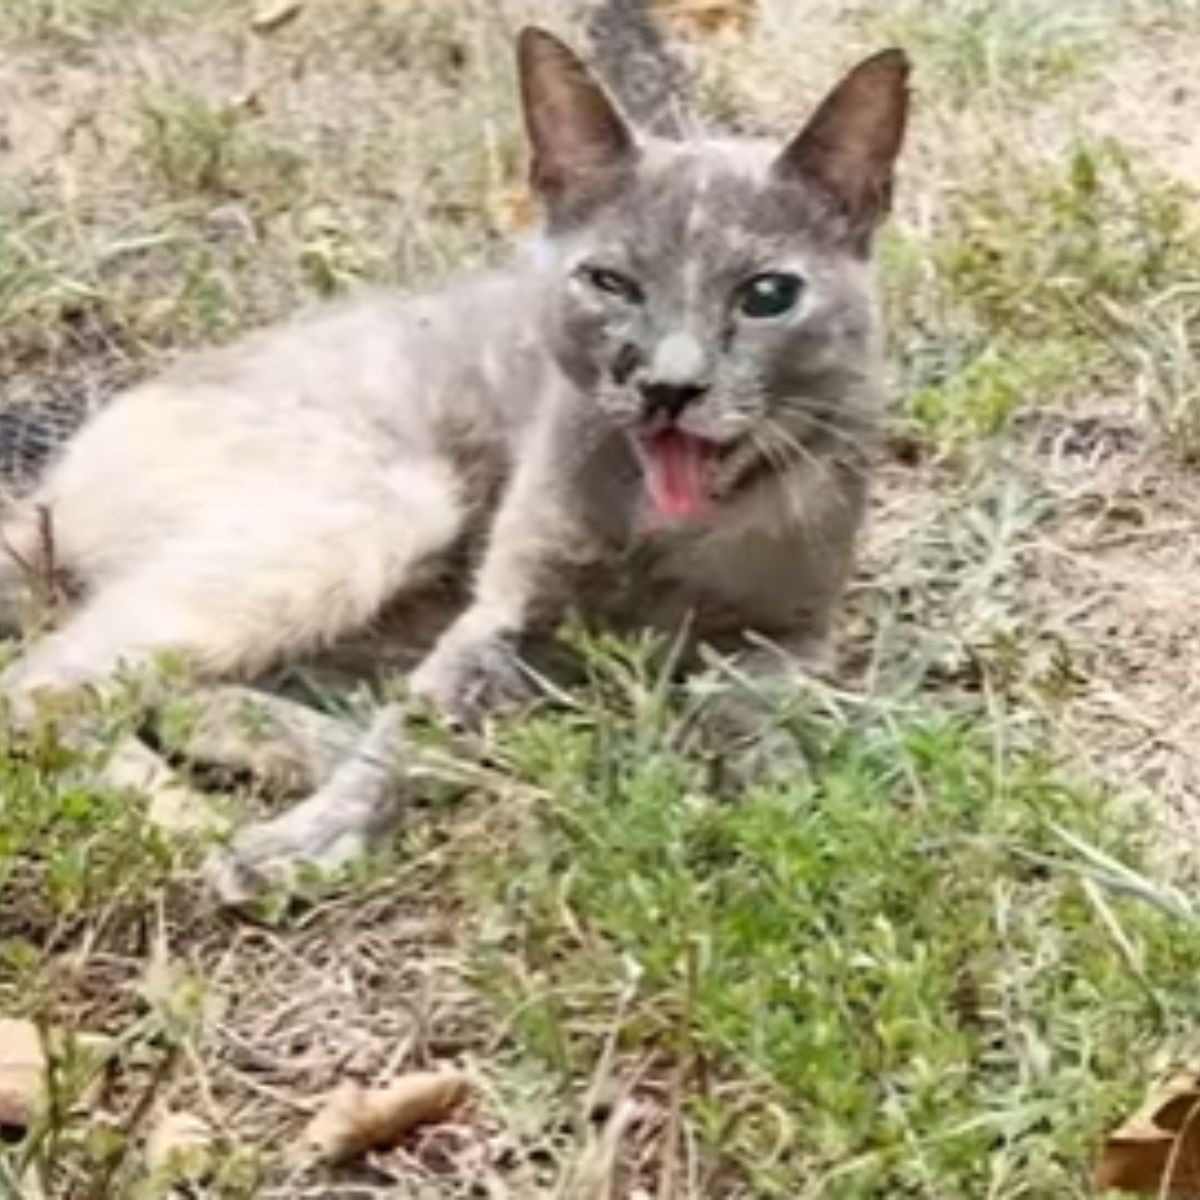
<point>170,176</point>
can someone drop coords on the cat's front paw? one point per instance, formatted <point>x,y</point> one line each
<point>469,674</point>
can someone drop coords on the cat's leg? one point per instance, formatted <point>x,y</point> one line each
<point>541,542</point>
<point>229,607</point>
<point>365,793</point>
<point>360,800</point>
<point>285,747</point>
<point>743,703</point>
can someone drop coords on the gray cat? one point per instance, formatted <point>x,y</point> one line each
<point>663,414</point>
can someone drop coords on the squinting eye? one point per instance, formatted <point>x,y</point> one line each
<point>613,283</point>
<point>769,295</point>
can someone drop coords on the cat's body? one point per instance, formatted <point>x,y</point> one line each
<point>661,414</point>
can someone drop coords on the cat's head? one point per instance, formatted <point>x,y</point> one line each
<point>714,298</point>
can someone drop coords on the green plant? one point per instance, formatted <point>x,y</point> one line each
<point>1021,50</point>
<point>195,148</point>
<point>1010,300</point>
<point>913,956</point>
<point>81,21</point>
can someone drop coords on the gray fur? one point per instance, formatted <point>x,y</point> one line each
<point>634,59</point>
<point>283,497</point>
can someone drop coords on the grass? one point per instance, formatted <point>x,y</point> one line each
<point>942,954</point>
<point>81,875</point>
<point>1160,343</point>
<point>906,969</point>
<point>197,149</point>
<point>68,23</point>
<point>1022,49</point>
<point>1023,293</point>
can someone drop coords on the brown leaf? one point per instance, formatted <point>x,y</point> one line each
<point>22,1072</point>
<point>355,1119</point>
<point>512,210</point>
<point>708,18</point>
<point>275,15</point>
<point>1156,1152</point>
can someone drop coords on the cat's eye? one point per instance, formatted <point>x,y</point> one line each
<point>772,294</point>
<point>612,283</point>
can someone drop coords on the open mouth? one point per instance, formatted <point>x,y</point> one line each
<point>680,471</point>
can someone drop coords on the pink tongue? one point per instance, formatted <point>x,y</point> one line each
<point>674,466</point>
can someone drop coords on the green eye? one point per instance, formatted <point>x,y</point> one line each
<point>613,283</point>
<point>769,295</point>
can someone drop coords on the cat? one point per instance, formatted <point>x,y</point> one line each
<point>662,414</point>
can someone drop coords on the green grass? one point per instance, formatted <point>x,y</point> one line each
<point>936,960</point>
<point>200,150</point>
<point>67,849</point>
<point>1033,289</point>
<point>80,869</point>
<point>37,276</point>
<point>909,969</point>
<point>927,961</point>
<point>1021,50</point>
<point>1160,341</point>
<point>78,22</point>
<point>88,891</point>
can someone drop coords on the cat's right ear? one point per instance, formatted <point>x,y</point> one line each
<point>581,146</point>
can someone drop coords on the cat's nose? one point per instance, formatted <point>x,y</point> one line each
<point>670,399</point>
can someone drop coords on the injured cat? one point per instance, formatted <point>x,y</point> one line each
<point>662,413</point>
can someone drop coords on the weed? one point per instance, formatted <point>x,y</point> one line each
<point>68,850</point>
<point>1022,49</point>
<point>37,276</point>
<point>976,401</point>
<point>80,21</point>
<point>1160,340</point>
<point>893,950</point>
<point>197,148</point>
<point>1011,299</point>
<point>1046,260</point>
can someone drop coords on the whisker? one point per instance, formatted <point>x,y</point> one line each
<point>790,442</point>
<point>783,451</point>
<point>824,466</point>
<point>852,455</point>
<point>817,419</point>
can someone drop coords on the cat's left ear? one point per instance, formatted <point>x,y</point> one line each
<point>848,148</point>
<point>581,145</point>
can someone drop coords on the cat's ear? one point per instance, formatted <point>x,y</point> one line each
<point>580,143</point>
<point>849,146</point>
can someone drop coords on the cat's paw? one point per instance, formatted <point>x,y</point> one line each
<point>771,755</point>
<point>470,674</point>
<point>270,856</point>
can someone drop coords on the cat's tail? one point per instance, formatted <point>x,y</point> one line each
<point>650,81</point>
<point>33,432</point>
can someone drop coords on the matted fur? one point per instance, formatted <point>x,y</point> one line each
<point>276,499</point>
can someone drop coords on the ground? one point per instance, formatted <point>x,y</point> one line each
<point>940,960</point>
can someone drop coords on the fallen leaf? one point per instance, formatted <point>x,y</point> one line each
<point>355,1119</point>
<point>708,17</point>
<point>1156,1152</point>
<point>180,1147</point>
<point>276,15</point>
<point>22,1072</point>
<point>512,210</point>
